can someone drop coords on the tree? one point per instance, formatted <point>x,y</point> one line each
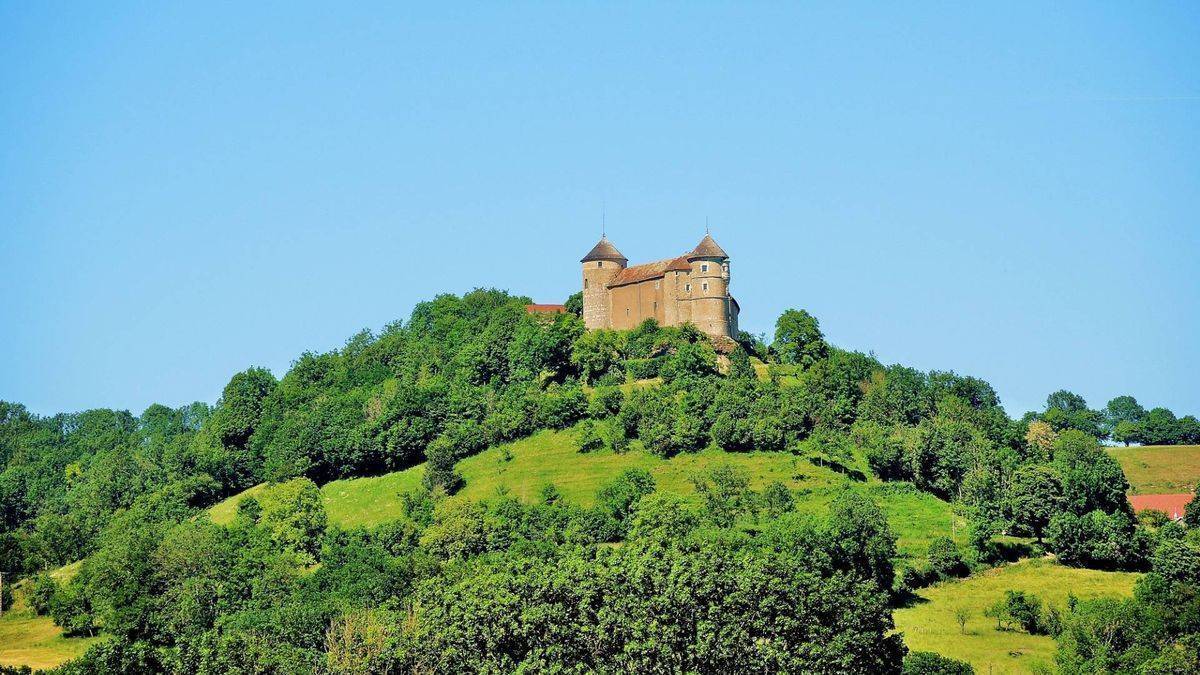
<point>798,338</point>
<point>945,560</point>
<point>1040,437</point>
<point>862,539</point>
<point>293,514</point>
<point>1035,495</point>
<point>1123,409</point>
<point>726,494</point>
<point>777,499</point>
<point>961,616</point>
<point>574,303</point>
<point>1160,427</point>
<point>740,367</point>
<point>1191,512</point>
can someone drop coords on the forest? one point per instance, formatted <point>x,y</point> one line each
<point>641,580</point>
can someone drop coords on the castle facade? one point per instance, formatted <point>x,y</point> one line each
<point>692,288</point>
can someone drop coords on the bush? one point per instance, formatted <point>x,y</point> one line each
<point>590,439</point>
<point>606,402</point>
<point>644,369</point>
<point>931,663</point>
<point>42,595</point>
<point>945,560</point>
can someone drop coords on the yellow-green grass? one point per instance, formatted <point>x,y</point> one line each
<point>523,467</point>
<point>34,641</point>
<point>930,624</point>
<point>1155,469</point>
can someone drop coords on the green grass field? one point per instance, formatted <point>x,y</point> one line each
<point>34,641</point>
<point>523,467</point>
<point>930,624</point>
<point>1154,469</point>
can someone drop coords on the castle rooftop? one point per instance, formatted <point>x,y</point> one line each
<point>708,248</point>
<point>604,250</point>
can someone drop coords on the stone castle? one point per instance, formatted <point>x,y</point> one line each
<point>692,288</point>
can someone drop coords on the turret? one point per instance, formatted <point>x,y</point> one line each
<point>711,304</point>
<point>600,265</point>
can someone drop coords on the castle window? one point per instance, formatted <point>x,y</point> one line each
<point>687,287</point>
<point>626,311</point>
<point>585,284</point>
<point>599,263</point>
<point>706,285</point>
<point>704,267</point>
<point>656,305</point>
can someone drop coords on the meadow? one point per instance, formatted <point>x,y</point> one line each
<point>30,640</point>
<point>1155,469</point>
<point>522,468</point>
<point>929,623</point>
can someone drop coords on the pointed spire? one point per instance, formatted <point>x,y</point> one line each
<point>604,250</point>
<point>708,248</point>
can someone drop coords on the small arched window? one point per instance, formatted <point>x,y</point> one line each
<point>585,284</point>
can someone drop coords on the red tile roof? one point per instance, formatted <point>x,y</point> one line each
<point>604,250</point>
<point>1171,504</point>
<point>654,270</point>
<point>545,309</point>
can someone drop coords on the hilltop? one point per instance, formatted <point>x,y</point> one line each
<point>482,487</point>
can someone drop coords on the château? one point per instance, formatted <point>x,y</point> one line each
<point>691,288</point>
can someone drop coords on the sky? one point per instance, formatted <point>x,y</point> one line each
<point>190,189</point>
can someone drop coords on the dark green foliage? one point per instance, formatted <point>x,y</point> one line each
<point>1035,495</point>
<point>777,500</point>
<point>930,663</point>
<point>740,367</point>
<point>862,540</point>
<point>590,437</point>
<point>619,497</point>
<point>1097,539</point>
<point>945,560</point>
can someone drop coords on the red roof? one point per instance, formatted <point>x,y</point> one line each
<point>1172,504</point>
<point>647,271</point>
<point>545,309</point>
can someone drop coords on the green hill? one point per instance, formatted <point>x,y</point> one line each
<point>930,625</point>
<point>1154,469</point>
<point>523,467</point>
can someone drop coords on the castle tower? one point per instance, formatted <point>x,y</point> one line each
<point>600,265</point>
<point>711,304</point>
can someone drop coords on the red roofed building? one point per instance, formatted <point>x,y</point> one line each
<point>1172,504</point>
<point>538,308</point>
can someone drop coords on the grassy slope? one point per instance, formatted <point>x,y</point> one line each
<point>34,641</point>
<point>523,467</point>
<point>1153,469</point>
<point>930,625</point>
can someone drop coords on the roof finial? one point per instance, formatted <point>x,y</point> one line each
<point>603,220</point>
<point>706,231</point>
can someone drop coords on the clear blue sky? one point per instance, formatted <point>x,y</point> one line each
<point>188,189</point>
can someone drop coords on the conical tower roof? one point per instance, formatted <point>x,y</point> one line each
<point>708,248</point>
<point>604,250</point>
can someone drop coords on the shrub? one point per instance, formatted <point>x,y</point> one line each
<point>42,595</point>
<point>590,439</point>
<point>931,663</point>
<point>605,402</point>
<point>644,369</point>
<point>945,560</point>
